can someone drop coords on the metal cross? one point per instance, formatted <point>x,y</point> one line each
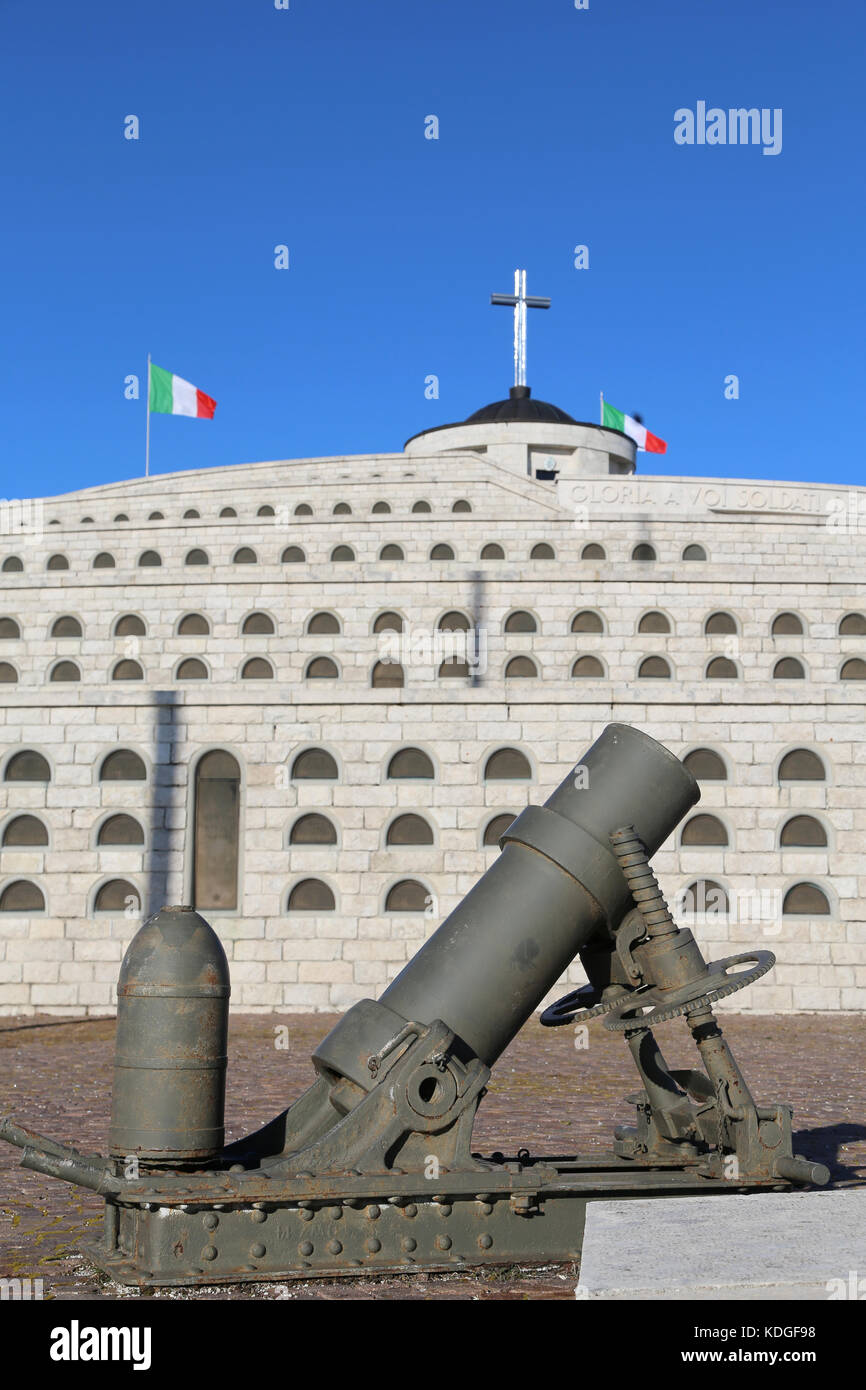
<point>521,302</point>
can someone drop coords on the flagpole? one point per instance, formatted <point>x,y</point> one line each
<point>601,407</point>
<point>147,427</point>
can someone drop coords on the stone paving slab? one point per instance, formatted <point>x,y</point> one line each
<point>784,1245</point>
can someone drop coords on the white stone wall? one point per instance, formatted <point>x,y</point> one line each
<point>770,549</point>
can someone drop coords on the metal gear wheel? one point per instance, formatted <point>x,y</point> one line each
<point>665,1004</point>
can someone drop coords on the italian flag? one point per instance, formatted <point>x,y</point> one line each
<point>617,420</point>
<point>171,395</point>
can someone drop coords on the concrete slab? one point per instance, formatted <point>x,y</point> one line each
<point>779,1245</point>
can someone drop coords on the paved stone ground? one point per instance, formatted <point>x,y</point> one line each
<point>56,1078</point>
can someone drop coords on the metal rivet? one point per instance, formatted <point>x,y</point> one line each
<point>211,1221</point>
<point>445,1209</point>
<point>410,1244</point>
<point>485,1242</point>
<point>443,1242</point>
<point>410,1210</point>
<point>334,1247</point>
<point>237,1168</point>
<point>373,1213</point>
<point>305,1247</point>
<point>305,1214</point>
<point>485,1208</point>
<point>334,1212</point>
<point>258,1216</point>
<point>374,1246</point>
<point>209,1252</point>
<point>256,1251</point>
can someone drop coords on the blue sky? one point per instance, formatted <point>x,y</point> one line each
<point>306,127</point>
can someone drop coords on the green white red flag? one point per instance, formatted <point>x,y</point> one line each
<point>618,420</point>
<point>171,395</point>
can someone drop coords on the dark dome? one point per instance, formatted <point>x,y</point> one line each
<point>520,406</point>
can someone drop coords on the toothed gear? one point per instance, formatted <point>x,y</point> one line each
<point>580,1005</point>
<point>715,984</point>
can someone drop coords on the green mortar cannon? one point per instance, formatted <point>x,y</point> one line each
<point>372,1168</point>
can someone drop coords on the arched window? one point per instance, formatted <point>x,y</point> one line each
<point>191,669</point>
<point>191,514</point>
<point>853,625</point>
<point>387,675</point>
<point>453,621</point>
<point>103,561</point>
<point>25,832</point>
<point>442,552</point>
<point>321,668</point>
<point>542,551</point>
<point>654,668</point>
<point>193,625</point>
<point>643,552</point>
<point>704,896</point>
<point>853,670</point>
<point>27,766</point>
<point>320,624</point>
<point>129,625</point>
<point>520,621</point>
<point>228,511</point>
<point>311,895</point>
<point>8,674</point>
<point>66,627</point>
<point>266,510</point>
<point>587,621</point>
<point>452,667</point>
<point>803,832</point>
<point>12,565</point>
<point>116,896</point>
<point>391,552</point>
<point>789,669</point>
<point>149,559</point>
<point>65,671</point>
<point>407,896</point>
<point>303,509</point>
<point>507,765</point>
<point>787,625</point>
<point>216,821</point>
<point>520,666</point>
<point>805,900</point>
<point>492,551</point>
<point>22,896</point>
<point>410,829</point>
<point>9,629</point>
<point>380,508</point>
<point>694,552</point>
<point>587,668</point>
<point>461,505</point>
<point>342,553</point>
<point>120,830</point>
<point>123,766</point>
<point>57,562</point>
<point>705,765</point>
<point>87,521</point>
<point>197,557</point>
<point>801,765</point>
<point>496,828</point>
<point>258,625</point>
<point>127,671</point>
<point>156,516</point>
<point>258,668</point>
<point>654,622</point>
<point>704,830</point>
<point>313,829</point>
<point>292,555</point>
<point>593,551</point>
<point>410,764</point>
<point>314,765</point>
<point>342,509</point>
<point>388,622</point>
<point>245,555</point>
<point>718,624</point>
<point>721,668</point>
<point>421,506</point>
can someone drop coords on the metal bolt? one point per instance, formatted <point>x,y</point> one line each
<point>485,1241</point>
<point>305,1247</point>
<point>334,1247</point>
<point>373,1213</point>
<point>211,1221</point>
<point>410,1210</point>
<point>443,1242</point>
<point>409,1244</point>
<point>485,1208</point>
<point>334,1212</point>
<point>258,1215</point>
<point>305,1214</point>
<point>374,1246</point>
<point>257,1250</point>
<point>445,1208</point>
<point>209,1252</point>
